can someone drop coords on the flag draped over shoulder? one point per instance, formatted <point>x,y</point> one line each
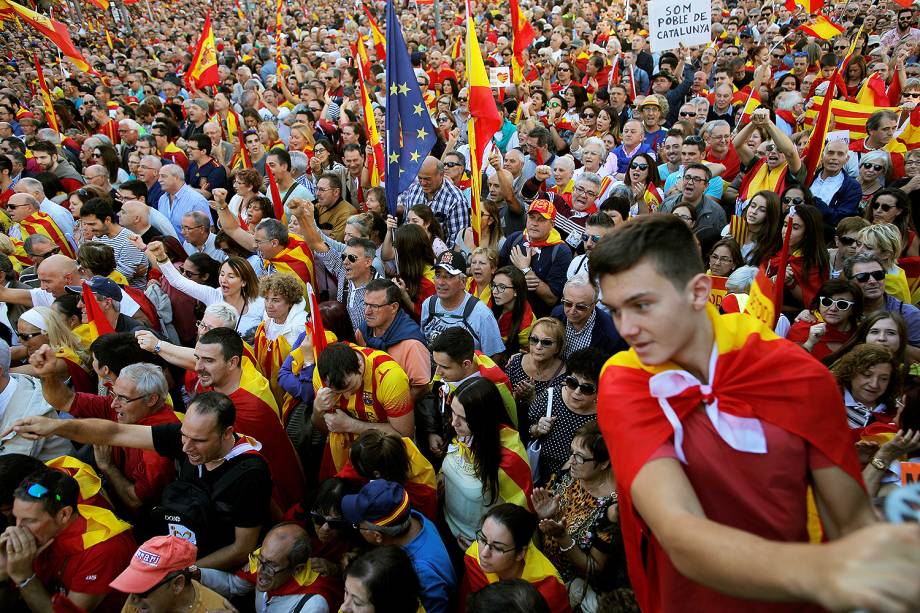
<point>538,571</point>
<point>55,31</point>
<point>515,480</point>
<point>745,380</point>
<point>524,35</point>
<point>203,69</point>
<point>41,223</point>
<point>253,382</point>
<point>484,119</point>
<point>874,92</point>
<point>297,259</point>
<point>410,133</point>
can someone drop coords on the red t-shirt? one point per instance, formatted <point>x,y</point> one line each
<point>146,469</point>
<point>731,161</point>
<point>767,494</point>
<point>67,567</point>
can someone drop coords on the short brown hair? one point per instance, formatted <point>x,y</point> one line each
<point>862,358</point>
<point>283,284</point>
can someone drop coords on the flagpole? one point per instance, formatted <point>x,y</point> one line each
<point>149,11</point>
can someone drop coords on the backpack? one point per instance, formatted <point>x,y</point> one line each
<point>190,509</point>
<point>467,311</point>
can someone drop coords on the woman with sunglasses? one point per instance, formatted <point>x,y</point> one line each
<point>644,183</point>
<point>539,364</point>
<point>892,205</point>
<point>44,326</point>
<point>570,406</point>
<point>445,123</point>
<point>845,240</point>
<point>490,230</point>
<point>332,539</point>
<point>837,308</point>
<point>884,241</point>
<point>887,329</point>
<point>482,463</point>
<point>873,168</point>
<point>579,520</point>
<point>325,159</point>
<point>504,550</point>
<point>807,266</point>
<point>795,195</point>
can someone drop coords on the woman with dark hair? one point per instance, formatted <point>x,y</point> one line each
<point>511,596</point>
<point>808,265</point>
<point>643,180</point>
<point>884,328</point>
<point>247,185</point>
<point>870,379</point>
<point>579,519</point>
<point>325,159</point>
<point>725,258</point>
<point>511,308</point>
<point>198,267</point>
<point>892,205</point>
<point>332,539</point>
<point>503,550</point>
<point>202,268</point>
<point>382,580</point>
<point>421,215</point>
<point>795,195</point>
<point>378,455</point>
<point>336,320</point>
<point>415,274</point>
<point>485,463</point>
<point>449,87</point>
<point>107,157</point>
<point>764,228</point>
<point>838,308</point>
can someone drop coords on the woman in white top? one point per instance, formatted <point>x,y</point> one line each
<point>276,336</point>
<point>238,286</point>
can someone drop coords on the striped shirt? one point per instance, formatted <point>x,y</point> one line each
<point>128,258</point>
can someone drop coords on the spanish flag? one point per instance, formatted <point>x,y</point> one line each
<point>55,31</point>
<point>239,10</point>
<point>41,223</point>
<point>296,258</point>
<point>484,119</point>
<point>203,69</point>
<point>379,39</point>
<point>822,28</point>
<point>456,49</point>
<point>911,268</point>
<point>375,164</point>
<point>46,96</point>
<point>745,383</point>
<point>421,483</point>
<point>538,571</point>
<point>523,34</point>
<point>275,193</point>
<point>873,92</point>
<point>653,197</point>
<point>96,323</point>
<point>810,6</point>
<point>102,5</point>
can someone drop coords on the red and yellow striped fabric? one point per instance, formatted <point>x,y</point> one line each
<point>297,259</point>
<point>96,323</point>
<point>527,321</point>
<point>515,480</point>
<point>269,357</point>
<point>483,293</point>
<point>538,571</point>
<point>911,268</point>
<point>493,372</point>
<point>41,223</point>
<point>379,39</point>
<point>421,482</point>
<point>845,116</point>
<point>745,383</point>
<point>256,385</point>
<point>384,393</point>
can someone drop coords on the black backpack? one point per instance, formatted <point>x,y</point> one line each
<point>467,310</point>
<point>190,507</point>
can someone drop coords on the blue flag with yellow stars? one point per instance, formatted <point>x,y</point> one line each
<point>410,133</point>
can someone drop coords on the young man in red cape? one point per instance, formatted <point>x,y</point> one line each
<point>716,428</point>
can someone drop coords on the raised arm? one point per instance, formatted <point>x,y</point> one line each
<point>782,142</point>
<point>303,211</point>
<point>228,221</point>
<point>740,143</point>
<point>156,252</point>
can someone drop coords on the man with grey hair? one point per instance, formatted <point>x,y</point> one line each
<point>138,396</point>
<point>220,150</point>
<point>128,132</point>
<point>196,229</point>
<point>585,324</point>
<point>21,396</point>
<point>62,217</point>
<point>37,247</point>
<point>178,198</point>
<point>216,315</point>
<point>720,150</point>
<point>148,171</point>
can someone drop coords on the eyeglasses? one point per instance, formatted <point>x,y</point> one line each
<point>203,326</point>
<point>269,568</point>
<point>320,520</point>
<point>578,306</point>
<point>885,207</point>
<point>564,69</point>
<point>685,218</point>
<point>871,166</point>
<point>351,257</point>
<point>545,342</point>
<point>47,254</point>
<point>189,228</point>
<point>323,190</point>
<point>498,288</point>
<point>484,542</point>
<point>863,277</point>
<point>581,190</point>
<point>461,99</point>
<point>585,388</point>
<point>577,458</point>
<point>639,166</point>
<point>694,179</point>
<point>374,307</point>
<point>123,399</point>
<point>769,148</point>
<point>790,200</point>
<point>188,273</point>
<point>443,119</point>
<point>721,259</point>
<point>26,337</point>
<point>594,238</point>
<point>842,305</point>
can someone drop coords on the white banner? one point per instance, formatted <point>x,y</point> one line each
<point>679,21</point>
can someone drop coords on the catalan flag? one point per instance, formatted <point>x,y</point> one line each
<point>55,31</point>
<point>279,18</point>
<point>738,228</point>
<point>375,164</point>
<point>96,322</point>
<point>910,136</point>
<point>239,10</point>
<point>269,355</point>
<point>275,193</point>
<point>822,28</point>
<point>379,39</point>
<point>457,48</point>
<point>41,223</point>
<point>296,258</point>
<point>538,571</point>
<point>484,119</point>
<point>523,35</point>
<point>328,587</point>
<point>744,380</point>
<point>849,116</point>
<point>203,69</point>
<point>315,327</point>
<point>50,115</point>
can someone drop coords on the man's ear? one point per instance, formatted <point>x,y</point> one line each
<point>698,289</point>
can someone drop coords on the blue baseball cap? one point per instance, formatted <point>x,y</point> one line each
<point>102,286</point>
<point>380,502</point>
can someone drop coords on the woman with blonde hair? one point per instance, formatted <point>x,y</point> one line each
<point>539,368</point>
<point>43,326</point>
<point>483,264</point>
<point>268,134</point>
<point>884,241</point>
<point>301,139</point>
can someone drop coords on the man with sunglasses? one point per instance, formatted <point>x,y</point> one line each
<point>50,555</point>
<point>710,215</point>
<point>160,577</point>
<point>585,324</point>
<point>880,132</point>
<point>836,194</point>
<point>281,574</point>
<point>902,31</point>
<point>868,272</point>
<point>691,152</point>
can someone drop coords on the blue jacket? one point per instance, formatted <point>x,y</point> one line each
<point>299,386</point>
<point>604,334</point>
<point>845,202</point>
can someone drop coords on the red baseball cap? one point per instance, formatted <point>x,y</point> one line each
<point>154,560</point>
<point>543,207</point>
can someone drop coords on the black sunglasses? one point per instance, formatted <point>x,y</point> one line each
<point>351,257</point>
<point>862,277</point>
<point>846,241</point>
<point>875,167</point>
<point>546,342</point>
<point>884,207</point>
<point>319,519</point>
<point>639,166</point>
<point>585,388</point>
<point>790,200</point>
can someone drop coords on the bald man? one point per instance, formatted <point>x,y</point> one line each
<point>135,215</point>
<point>97,175</point>
<point>445,199</point>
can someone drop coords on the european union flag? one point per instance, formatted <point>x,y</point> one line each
<point>410,133</point>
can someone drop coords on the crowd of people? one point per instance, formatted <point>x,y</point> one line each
<point>525,417</point>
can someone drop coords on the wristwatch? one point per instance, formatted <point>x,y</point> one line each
<point>526,269</point>
<point>156,348</point>
<point>879,464</point>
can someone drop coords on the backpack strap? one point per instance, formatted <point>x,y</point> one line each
<point>430,303</point>
<point>467,311</point>
<point>302,602</point>
<point>248,462</point>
